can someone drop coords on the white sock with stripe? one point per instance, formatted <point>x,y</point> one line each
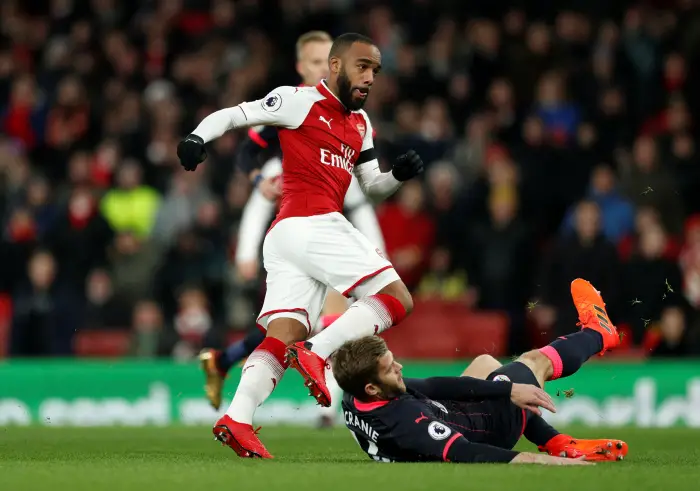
<point>262,372</point>
<point>366,317</point>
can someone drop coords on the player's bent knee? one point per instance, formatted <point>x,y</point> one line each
<point>287,330</point>
<point>481,367</point>
<point>487,360</point>
<point>400,292</point>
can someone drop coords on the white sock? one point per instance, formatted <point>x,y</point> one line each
<point>261,374</point>
<point>366,317</point>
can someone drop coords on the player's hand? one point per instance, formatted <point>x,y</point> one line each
<point>532,458</point>
<point>191,152</point>
<point>532,398</point>
<point>248,270</point>
<point>271,188</point>
<point>407,166</point>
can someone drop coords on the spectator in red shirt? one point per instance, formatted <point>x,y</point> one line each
<point>409,232</point>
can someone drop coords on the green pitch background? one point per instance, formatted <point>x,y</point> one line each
<point>178,458</point>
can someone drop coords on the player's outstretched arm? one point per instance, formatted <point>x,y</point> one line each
<point>285,106</point>
<point>533,458</point>
<point>433,440</point>
<point>380,185</point>
<point>467,389</point>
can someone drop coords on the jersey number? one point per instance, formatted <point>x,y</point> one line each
<point>372,449</point>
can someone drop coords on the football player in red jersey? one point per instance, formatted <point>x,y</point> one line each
<point>325,138</point>
<point>312,49</point>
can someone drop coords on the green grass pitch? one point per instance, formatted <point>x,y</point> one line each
<point>174,458</point>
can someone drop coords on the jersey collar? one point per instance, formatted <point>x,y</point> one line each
<point>369,406</point>
<point>323,89</point>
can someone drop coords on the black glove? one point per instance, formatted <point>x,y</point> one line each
<point>407,166</point>
<point>191,152</point>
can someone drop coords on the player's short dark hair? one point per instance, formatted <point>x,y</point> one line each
<point>344,41</point>
<point>356,364</point>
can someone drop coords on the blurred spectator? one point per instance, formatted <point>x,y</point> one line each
<point>673,336</point>
<point>444,186</point>
<point>179,207</point>
<point>148,340</point>
<point>24,116</point>
<point>191,260</point>
<point>651,281</point>
<point>41,206</point>
<point>585,253</point>
<point>80,236</point>
<point>132,263</point>
<point>45,315</point>
<point>104,310</point>
<point>409,232</point>
<point>444,281</point>
<point>193,323</point>
<point>685,165</point>
<point>18,242</point>
<point>617,213</point>
<point>647,219</point>
<point>559,115</point>
<point>690,261</point>
<point>69,119</point>
<point>132,206</point>
<point>498,259</point>
<point>648,183</point>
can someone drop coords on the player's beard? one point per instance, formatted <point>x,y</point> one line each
<point>388,392</point>
<point>345,89</point>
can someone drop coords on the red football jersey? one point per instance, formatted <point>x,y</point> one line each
<point>321,142</point>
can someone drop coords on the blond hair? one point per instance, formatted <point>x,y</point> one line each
<point>312,37</point>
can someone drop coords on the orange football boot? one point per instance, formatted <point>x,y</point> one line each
<point>593,450</point>
<point>313,369</point>
<point>592,313</point>
<point>214,379</point>
<point>240,437</point>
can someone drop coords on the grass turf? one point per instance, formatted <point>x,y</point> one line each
<point>176,458</point>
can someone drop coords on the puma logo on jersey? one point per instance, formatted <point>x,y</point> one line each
<point>327,121</point>
<point>422,417</point>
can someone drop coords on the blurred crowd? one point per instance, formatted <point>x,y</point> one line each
<point>560,140</point>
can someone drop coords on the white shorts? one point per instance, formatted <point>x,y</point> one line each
<point>303,256</point>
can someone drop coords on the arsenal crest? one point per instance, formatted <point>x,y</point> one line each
<point>361,128</point>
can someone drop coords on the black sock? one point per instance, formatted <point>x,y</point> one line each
<point>538,431</point>
<point>239,350</point>
<point>569,352</point>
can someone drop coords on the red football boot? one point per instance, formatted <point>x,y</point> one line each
<point>594,450</point>
<point>241,438</point>
<point>313,369</point>
<point>592,313</point>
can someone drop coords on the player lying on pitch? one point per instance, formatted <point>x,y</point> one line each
<point>468,419</point>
